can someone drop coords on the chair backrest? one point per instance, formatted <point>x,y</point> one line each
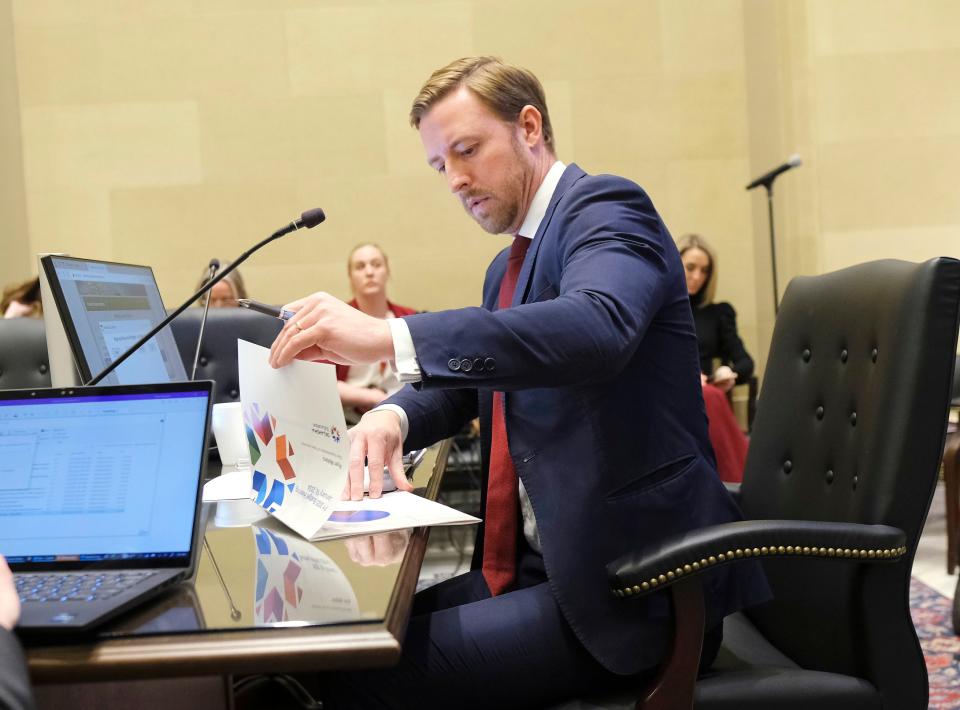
<point>23,354</point>
<point>218,353</point>
<point>850,427</point>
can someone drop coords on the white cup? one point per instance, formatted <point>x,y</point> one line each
<point>230,434</point>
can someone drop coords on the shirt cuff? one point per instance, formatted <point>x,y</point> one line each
<point>405,365</point>
<point>398,410</point>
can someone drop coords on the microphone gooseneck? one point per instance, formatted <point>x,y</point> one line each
<point>307,220</point>
<point>214,266</point>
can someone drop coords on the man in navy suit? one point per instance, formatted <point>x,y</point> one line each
<point>582,366</point>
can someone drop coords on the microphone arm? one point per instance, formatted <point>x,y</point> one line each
<point>308,220</point>
<point>214,266</point>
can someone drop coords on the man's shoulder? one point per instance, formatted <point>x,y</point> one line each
<point>602,186</point>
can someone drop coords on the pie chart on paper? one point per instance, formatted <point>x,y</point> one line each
<point>357,516</point>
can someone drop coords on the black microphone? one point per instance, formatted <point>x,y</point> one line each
<point>308,220</point>
<point>214,267</point>
<point>767,178</point>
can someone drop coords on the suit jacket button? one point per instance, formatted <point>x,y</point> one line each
<point>466,364</point>
<point>489,364</point>
<point>453,364</point>
<point>478,364</point>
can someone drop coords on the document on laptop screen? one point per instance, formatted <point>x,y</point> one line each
<point>99,477</point>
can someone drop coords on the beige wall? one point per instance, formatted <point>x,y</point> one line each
<point>170,131</point>
<point>15,261</point>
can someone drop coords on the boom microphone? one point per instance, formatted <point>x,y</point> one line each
<point>767,178</point>
<point>307,220</point>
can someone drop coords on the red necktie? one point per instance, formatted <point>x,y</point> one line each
<point>500,526</point>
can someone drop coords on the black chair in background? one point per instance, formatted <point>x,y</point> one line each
<point>218,352</point>
<point>23,354</point>
<point>841,470</point>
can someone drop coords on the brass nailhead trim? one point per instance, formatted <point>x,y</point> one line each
<point>757,552</point>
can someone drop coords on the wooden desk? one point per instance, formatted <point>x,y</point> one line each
<point>195,630</point>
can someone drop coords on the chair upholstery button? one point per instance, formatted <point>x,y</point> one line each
<point>873,355</point>
<point>787,466</point>
<point>489,364</point>
<point>453,364</point>
<point>806,354</point>
<point>856,478</point>
<point>234,394</point>
<point>829,476</point>
<point>43,368</point>
<point>820,412</point>
<point>853,418</point>
<point>478,364</point>
<point>466,364</point>
<point>203,361</point>
<point>843,355</point>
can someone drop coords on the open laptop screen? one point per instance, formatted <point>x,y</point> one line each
<point>103,477</point>
<point>106,308</point>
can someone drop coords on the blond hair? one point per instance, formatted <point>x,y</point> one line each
<point>695,241</point>
<point>502,88</point>
<point>361,245</point>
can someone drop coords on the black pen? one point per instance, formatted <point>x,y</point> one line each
<point>265,309</point>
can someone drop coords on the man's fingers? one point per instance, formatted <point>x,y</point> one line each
<point>375,456</point>
<point>358,451</point>
<point>396,470</point>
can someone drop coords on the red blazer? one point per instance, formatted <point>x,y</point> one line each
<point>398,311</point>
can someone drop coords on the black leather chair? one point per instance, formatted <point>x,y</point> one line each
<point>218,353</point>
<point>841,471</point>
<point>23,354</point>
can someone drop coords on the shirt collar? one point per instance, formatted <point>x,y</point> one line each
<point>541,200</point>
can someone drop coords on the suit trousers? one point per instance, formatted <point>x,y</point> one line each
<point>466,649</point>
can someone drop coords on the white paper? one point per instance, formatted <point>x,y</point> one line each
<point>392,511</point>
<point>300,484</point>
<point>232,485</point>
<point>298,438</point>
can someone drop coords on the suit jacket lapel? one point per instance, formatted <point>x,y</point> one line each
<point>571,174</point>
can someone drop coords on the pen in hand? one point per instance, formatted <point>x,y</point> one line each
<point>265,309</point>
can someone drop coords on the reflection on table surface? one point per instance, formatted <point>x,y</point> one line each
<point>265,575</point>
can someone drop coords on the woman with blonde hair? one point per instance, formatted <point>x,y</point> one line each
<point>718,340</point>
<point>363,387</point>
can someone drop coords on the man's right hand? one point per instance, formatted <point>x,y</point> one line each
<point>9,599</point>
<point>379,440</point>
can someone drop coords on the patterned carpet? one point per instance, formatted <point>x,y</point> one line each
<point>931,613</point>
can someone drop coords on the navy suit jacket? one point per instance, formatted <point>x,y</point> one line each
<point>604,412</point>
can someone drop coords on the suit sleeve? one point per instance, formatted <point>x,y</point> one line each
<point>731,346</point>
<point>613,252</point>
<point>434,415</point>
<point>14,682</point>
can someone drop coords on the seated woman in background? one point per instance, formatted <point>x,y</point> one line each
<point>22,300</point>
<point>717,336</point>
<point>363,387</point>
<point>226,292</point>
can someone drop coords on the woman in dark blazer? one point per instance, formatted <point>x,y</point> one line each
<point>717,336</point>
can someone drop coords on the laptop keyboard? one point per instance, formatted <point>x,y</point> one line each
<point>78,587</point>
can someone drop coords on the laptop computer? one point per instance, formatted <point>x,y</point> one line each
<point>100,496</point>
<point>103,308</point>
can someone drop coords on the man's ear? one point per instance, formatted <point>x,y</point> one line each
<point>531,125</point>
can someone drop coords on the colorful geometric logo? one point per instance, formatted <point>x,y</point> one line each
<point>275,598</point>
<point>262,435</point>
<point>335,434</point>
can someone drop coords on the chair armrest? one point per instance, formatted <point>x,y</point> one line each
<point>660,565</point>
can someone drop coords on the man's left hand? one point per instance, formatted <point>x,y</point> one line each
<point>326,328</point>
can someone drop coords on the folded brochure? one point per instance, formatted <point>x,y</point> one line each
<point>299,452</point>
